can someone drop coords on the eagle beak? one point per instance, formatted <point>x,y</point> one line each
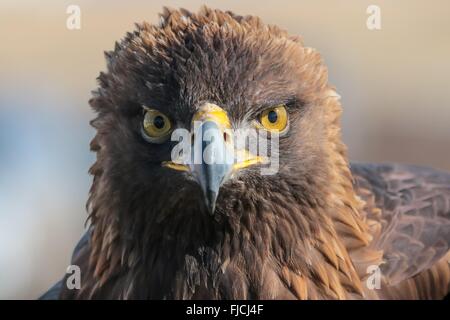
<point>213,156</point>
<point>217,163</point>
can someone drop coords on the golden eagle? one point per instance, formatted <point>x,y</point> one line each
<point>319,228</point>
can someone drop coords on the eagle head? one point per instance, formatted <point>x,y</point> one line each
<point>188,89</point>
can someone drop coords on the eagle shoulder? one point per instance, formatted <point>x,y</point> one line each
<point>413,203</point>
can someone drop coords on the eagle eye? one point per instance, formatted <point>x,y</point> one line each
<point>156,126</point>
<point>274,118</point>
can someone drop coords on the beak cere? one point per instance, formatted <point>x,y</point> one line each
<point>212,161</point>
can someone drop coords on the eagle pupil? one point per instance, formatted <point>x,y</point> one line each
<point>158,122</point>
<point>272,116</point>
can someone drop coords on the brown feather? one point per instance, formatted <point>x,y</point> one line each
<point>309,232</point>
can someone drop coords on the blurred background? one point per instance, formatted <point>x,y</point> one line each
<point>394,84</point>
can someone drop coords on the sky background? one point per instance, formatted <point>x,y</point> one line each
<point>394,84</point>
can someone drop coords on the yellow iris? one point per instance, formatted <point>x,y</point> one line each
<point>275,118</point>
<point>156,124</point>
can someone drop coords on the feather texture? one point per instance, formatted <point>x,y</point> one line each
<point>309,232</point>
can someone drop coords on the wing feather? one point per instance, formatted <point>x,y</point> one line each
<point>415,219</point>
